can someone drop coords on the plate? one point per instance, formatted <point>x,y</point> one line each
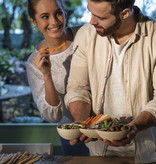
<point>92,133</point>
<point>68,134</point>
<point>116,135</point>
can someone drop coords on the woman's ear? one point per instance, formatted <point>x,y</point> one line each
<point>33,21</point>
<point>125,13</point>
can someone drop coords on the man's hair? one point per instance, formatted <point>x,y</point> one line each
<point>118,5</point>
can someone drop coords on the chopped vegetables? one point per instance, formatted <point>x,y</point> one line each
<point>112,125</point>
<point>71,126</point>
<point>91,120</point>
<point>108,124</point>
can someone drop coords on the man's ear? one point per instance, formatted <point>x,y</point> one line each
<point>125,13</point>
<point>33,21</point>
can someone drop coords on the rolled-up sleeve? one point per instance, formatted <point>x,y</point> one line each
<point>78,87</point>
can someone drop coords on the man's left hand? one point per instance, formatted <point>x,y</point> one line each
<point>130,136</point>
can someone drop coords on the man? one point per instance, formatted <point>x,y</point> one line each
<point>113,72</point>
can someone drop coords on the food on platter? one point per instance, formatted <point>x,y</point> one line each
<point>93,122</point>
<point>70,131</point>
<point>105,127</point>
<point>101,125</point>
<point>104,122</point>
<point>89,129</point>
<point>71,126</point>
<point>112,135</point>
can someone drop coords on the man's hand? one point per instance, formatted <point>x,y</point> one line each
<point>130,136</point>
<point>82,138</point>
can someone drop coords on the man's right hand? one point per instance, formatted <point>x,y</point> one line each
<point>82,138</point>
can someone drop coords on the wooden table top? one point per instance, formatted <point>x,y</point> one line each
<point>86,160</point>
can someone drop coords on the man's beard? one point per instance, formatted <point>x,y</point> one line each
<point>111,29</point>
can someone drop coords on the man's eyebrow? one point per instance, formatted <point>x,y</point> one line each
<point>42,14</point>
<point>96,15</point>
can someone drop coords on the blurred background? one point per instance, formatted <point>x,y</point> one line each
<point>18,41</point>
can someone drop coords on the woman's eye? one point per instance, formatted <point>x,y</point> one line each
<point>59,13</point>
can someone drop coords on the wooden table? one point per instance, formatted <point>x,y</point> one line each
<point>86,160</point>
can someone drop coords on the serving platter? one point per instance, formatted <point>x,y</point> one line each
<point>68,134</point>
<point>92,133</point>
<point>101,125</point>
<point>115,135</point>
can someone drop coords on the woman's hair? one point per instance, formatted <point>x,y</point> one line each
<point>31,7</point>
<point>118,5</point>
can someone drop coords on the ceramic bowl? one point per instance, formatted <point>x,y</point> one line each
<point>68,134</point>
<point>116,135</point>
<point>89,133</point>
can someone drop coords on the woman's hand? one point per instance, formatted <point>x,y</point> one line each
<point>42,61</point>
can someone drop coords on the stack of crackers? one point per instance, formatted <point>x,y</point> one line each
<point>19,158</point>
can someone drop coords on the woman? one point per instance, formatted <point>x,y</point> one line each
<point>48,67</point>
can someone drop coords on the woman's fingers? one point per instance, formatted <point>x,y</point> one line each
<point>42,54</point>
<point>42,61</point>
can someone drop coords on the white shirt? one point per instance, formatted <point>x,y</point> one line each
<point>60,72</point>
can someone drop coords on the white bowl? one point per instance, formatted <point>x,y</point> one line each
<point>89,133</point>
<point>68,134</point>
<point>115,135</point>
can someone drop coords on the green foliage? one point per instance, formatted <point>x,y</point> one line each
<point>22,54</point>
<point>10,64</point>
<point>76,3</point>
<point>13,65</point>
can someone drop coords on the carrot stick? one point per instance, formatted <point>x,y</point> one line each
<point>96,118</point>
<point>84,122</point>
<point>54,49</point>
<point>87,123</point>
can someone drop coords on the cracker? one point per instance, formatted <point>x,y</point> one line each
<point>1,157</point>
<point>34,159</point>
<point>22,157</point>
<point>6,158</point>
<point>14,158</point>
<point>26,159</point>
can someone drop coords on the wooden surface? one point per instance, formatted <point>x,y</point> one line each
<point>86,160</point>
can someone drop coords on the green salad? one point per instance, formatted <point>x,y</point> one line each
<point>112,125</point>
